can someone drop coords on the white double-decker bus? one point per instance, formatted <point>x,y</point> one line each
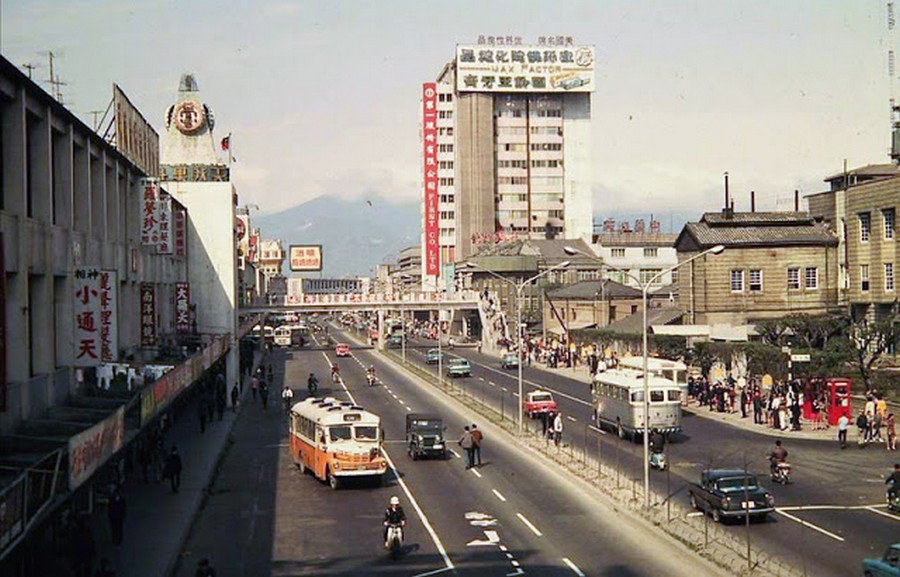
<point>618,400</point>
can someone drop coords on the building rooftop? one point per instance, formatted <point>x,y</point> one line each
<point>749,229</point>
<point>659,316</point>
<point>546,249</point>
<point>639,239</point>
<point>593,289</point>
<point>870,170</point>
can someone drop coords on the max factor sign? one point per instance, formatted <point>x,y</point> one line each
<point>541,68</point>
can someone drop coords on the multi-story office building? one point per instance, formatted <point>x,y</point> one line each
<point>506,147</point>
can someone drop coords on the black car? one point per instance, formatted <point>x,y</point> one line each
<point>425,436</point>
<point>729,493</point>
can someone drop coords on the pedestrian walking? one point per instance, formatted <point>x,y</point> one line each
<point>204,569</point>
<point>557,428</point>
<point>862,424</point>
<point>254,385</point>
<point>891,433</point>
<point>116,514</point>
<point>235,393</point>
<point>546,421</point>
<point>172,470</point>
<point>477,438</point>
<point>843,423</point>
<point>466,442</point>
<point>264,394</point>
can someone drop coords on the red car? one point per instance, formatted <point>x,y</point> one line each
<point>342,350</point>
<point>537,403</point>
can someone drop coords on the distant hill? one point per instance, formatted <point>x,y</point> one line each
<point>354,235</point>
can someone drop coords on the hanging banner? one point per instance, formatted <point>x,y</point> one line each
<point>432,253</point>
<point>148,315</point>
<point>180,231</point>
<point>89,449</point>
<point>164,246</point>
<point>183,307</point>
<point>109,321</point>
<point>86,306</point>
<point>150,212</point>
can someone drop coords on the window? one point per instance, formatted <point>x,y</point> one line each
<point>675,276</point>
<point>755,281</point>
<point>648,273</point>
<point>888,277</point>
<point>546,146</point>
<point>865,226</point>
<point>887,214</point>
<point>617,253</point>
<point>793,279</point>
<point>445,181</point>
<point>445,148</point>
<point>812,277</point>
<point>657,396</point>
<point>737,281</point>
<point>650,253</point>
<point>445,114</point>
<point>863,277</point>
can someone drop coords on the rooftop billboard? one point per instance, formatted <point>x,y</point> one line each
<point>537,68</point>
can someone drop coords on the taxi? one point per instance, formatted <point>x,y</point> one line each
<point>538,403</point>
<point>342,350</point>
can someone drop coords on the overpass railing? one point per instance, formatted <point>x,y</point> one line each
<point>412,298</point>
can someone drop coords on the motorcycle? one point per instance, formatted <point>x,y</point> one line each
<point>893,500</point>
<point>781,473</point>
<point>658,460</point>
<point>394,541</point>
<point>370,379</point>
<point>313,386</point>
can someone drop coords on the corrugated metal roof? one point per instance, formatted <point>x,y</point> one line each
<point>591,289</point>
<point>760,229</point>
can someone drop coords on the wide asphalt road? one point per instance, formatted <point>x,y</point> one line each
<point>828,520</point>
<point>513,515</point>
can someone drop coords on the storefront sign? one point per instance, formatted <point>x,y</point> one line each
<point>306,257</point>
<point>109,321</point>
<point>183,307</point>
<point>86,306</point>
<point>164,246</point>
<point>537,68</point>
<point>148,315</point>
<point>180,230</point>
<point>89,449</point>
<point>150,212</point>
<point>430,147</point>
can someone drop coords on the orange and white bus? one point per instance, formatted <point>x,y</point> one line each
<point>336,440</point>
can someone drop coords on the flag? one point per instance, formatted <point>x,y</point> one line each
<point>226,142</point>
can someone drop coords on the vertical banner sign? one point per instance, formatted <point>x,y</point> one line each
<point>183,307</point>
<point>165,224</point>
<point>180,230</point>
<point>148,315</point>
<point>88,348</point>
<point>429,141</point>
<point>252,246</point>
<point>150,213</point>
<point>109,326</point>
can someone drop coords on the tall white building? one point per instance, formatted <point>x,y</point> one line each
<point>506,148</point>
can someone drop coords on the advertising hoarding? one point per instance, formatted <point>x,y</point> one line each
<point>432,252</point>
<point>164,246</point>
<point>89,449</point>
<point>183,307</point>
<point>305,257</point>
<point>86,306</point>
<point>135,138</point>
<point>148,315</point>
<point>536,68</point>
<point>150,212</point>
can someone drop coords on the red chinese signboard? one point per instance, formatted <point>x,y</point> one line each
<point>164,246</point>
<point>432,253</point>
<point>109,326</point>
<point>306,258</point>
<point>89,449</point>
<point>183,307</point>
<point>180,231</point>
<point>86,306</point>
<point>253,245</point>
<point>148,315</point>
<point>150,212</point>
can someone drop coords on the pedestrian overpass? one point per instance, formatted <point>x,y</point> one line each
<point>409,301</point>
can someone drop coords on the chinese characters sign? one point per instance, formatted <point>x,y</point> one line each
<point>183,307</point>
<point>148,315</point>
<point>86,307</point>
<point>306,258</point>
<point>180,231</point>
<point>432,253</point>
<point>544,68</point>
<point>150,212</point>
<point>164,246</point>
<point>109,326</point>
<point>89,449</point>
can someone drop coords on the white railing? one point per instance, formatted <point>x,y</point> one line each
<point>409,298</point>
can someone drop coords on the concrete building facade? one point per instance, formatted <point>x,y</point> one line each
<point>641,254</point>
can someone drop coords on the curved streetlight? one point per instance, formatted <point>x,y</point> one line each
<point>520,286</point>
<point>645,288</point>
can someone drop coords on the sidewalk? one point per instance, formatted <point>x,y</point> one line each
<point>157,521</point>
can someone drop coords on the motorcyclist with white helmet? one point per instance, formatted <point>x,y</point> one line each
<point>393,515</point>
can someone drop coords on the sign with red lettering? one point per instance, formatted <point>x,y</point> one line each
<point>150,212</point>
<point>89,449</point>
<point>148,315</point>
<point>432,252</point>
<point>109,322</point>
<point>180,231</point>
<point>306,258</point>
<point>164,246</point>
<point>86,306</point>
<point>183,307</point>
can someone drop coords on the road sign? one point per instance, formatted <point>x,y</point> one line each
<point>800,358</point>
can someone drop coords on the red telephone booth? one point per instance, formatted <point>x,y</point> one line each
<point>838,399</point>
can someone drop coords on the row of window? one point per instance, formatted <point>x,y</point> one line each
<point>865,283</point>
<point>535,147</point>
<point>447,215</point>
<point>445,114</point>
<point>888,217</point>
<point>524,163</point>
<point>445,97</point>
<point>520,113</point>
<point>754,279</point>
<point>445,164</point>
<point>448,198</point>
<point>445,181</point>
<point>445,148</point>
<point>652,252</point>
<point>535,180</point>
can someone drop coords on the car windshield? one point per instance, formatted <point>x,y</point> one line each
<point>366,432</point>
<point>457,361</point>
<point>339,433</point>
<point>541,398</point>
<point>730,484</point>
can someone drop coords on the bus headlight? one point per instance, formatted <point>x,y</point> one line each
<point>337,465</point>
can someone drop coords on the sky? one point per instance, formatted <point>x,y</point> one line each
<point>322,97</point>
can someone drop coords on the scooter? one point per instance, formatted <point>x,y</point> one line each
<point>893,501</point>
<point>658,460</point>
<point>782,474</point>
<point>394,541</point>
<point>370,379</point>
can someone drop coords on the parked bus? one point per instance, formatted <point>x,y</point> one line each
<point>282,336</point>
<point>673,370</point>
<point>336,441</point>
<point>618,400</point>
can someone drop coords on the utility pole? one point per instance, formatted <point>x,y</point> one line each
<point>95,115</point>
<point>55,82</point>
<point>30,68</point>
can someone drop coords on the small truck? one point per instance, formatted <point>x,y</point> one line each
<point>727,493</point>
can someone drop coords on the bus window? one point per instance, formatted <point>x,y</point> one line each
<point>339,433</point>
<point>657,396</point>
<point>366,433</point>
<point>637,397</point>
<point>674,395</point>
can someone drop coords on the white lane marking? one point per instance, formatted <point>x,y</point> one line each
<point>498,495</point>
<point>514,563</point>
<point>516,572</point>
<point>593,428</point>
<point>830,507</point>
<point>492,383</point>
<point>885,513</point>
<point>422,517</point>
<point>454,453</point>
<point>480,378</point>
<point>493,538</point>
<point>408,408</point>
<point>435,572</point>
<point>476,473</point>
<point>529,524</point>
<point>810,525</point>
<point>573,567</point>
<point>503,548</point>
<point>539,386</point>
<point>573,419</point>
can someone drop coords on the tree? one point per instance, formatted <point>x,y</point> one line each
<point>870,340</point>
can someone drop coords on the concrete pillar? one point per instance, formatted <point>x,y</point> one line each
<point>14,186</point>
<point>380,344</point>
<point>41,168</point>
<point>63,178</point>
<point>40,307</point>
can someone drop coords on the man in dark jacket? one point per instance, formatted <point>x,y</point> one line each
<point>172,469</point>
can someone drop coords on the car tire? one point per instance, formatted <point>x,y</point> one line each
<point>620,431</point>
<point>301,467</point>
<point>333,481</point>
<point>716,515</point>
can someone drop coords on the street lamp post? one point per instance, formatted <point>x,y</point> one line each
<point>645,288</point>
<point>519,288</point>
